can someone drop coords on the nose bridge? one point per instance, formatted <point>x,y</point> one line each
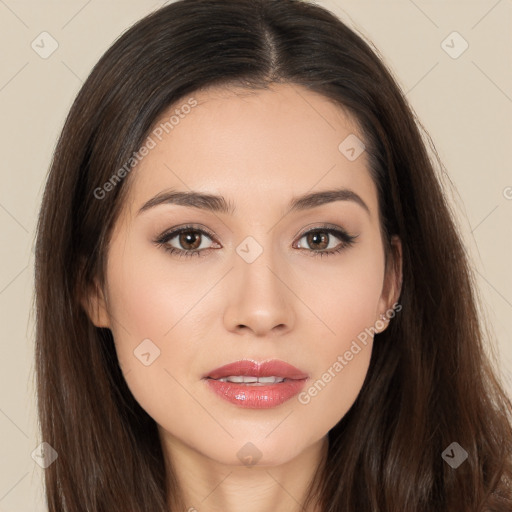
<point>260,299</point>
<point>257,263</point>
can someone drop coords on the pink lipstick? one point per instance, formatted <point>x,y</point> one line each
<point>253,385</point>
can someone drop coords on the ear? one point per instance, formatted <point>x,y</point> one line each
<point>392,283</point>
<point>95,305</point>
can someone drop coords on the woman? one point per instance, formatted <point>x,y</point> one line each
<point>258,137</point>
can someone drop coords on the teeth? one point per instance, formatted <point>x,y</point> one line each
<point>242,379</point>
<point>270,380</point>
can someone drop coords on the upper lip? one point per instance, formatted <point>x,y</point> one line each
<point>247,367</point>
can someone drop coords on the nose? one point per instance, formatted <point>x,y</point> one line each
<point>260,299</point>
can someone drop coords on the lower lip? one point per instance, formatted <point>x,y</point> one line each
<point>256,397</point>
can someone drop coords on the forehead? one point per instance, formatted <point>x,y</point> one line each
<point>264,145</point>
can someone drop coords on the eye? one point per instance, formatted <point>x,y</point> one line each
<point>321,238</point>
<point>188,237</point>
<point>189,241</point>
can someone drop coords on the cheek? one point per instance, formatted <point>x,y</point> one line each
<point>349,308</point>
<point>345,295</point>
<point>152,313</point>
<point>149,293</point>
<point>342,366</point>
<point>149,304</point>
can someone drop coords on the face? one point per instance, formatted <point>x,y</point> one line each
<point>257,281</point>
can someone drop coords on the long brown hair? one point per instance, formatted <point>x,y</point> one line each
<point>430,381</point>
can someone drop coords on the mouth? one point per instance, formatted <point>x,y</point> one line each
<point>253,385</point>
<point>249,371</point>
<point>251,380</point>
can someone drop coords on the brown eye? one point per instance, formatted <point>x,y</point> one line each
<point>319,240</point>
<point>185,241</point>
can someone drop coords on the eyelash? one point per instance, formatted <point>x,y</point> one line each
<point>162,241</point>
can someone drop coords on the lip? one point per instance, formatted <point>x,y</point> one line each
<point>274,367</point>
<point>261,396</point>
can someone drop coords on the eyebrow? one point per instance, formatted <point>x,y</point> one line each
<point>219,204</point>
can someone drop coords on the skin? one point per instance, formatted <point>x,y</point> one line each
<point>257,149</point>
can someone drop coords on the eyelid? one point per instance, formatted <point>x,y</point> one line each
<point>179,229</point>
<point>314,226</point>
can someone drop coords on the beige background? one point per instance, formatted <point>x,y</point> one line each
<point>465,104</point>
